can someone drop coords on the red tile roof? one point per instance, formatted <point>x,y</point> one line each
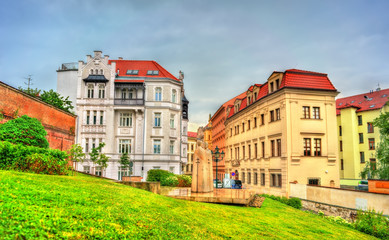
<point>192,134</point>
<point>372,101</point>
<point>142,66</point>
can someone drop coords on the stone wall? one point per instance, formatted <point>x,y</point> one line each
<point>330,210</point>
<point>153,187</point>
<point>60,125</point>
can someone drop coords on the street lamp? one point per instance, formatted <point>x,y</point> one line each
<point>217,156</point>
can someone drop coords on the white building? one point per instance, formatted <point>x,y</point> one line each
<point>132,106</point>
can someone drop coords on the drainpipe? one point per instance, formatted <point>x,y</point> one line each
<point>144,130</point>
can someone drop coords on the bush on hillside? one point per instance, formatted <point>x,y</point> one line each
<point>372,223</point>
<point>24,130</point>
<point>293,202</point>
<point>171,181</point>
<point>35,159</point>
<point>184,180</point>
<point>156,175</point>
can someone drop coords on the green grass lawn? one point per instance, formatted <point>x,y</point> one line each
<point>77,207</point>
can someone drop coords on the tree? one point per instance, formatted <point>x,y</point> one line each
<point>32,92</point>
<point>125,162</point>
<point>76,154</point>
<point>24,130</point>
<point>380,170</point>
<point>99,158</point>
<point>55,99</point>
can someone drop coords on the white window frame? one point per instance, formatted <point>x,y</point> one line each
<point>157,119</point>
<point>157,146</point>
<point>171,148</point>
<point>158,94</point>
<point>101,91</point>
<point>172,123</point>
<point>125,146</point>
<point>174,95</point>
<point>90,90</point>
<point>125,120</point>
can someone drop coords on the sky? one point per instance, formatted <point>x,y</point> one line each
<point>222,46</point>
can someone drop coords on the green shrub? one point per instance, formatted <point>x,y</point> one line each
<point>184,180</point>
<point>20,157</point>
<point>294,202</point>
<point>171,181</point>
<point>156,175</point>
<point>372,223</point>
<point>24,130</point>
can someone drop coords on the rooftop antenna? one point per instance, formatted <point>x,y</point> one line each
<point>29,82</point>
<point>378,88</point>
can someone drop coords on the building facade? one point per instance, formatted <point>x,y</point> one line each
<point>192,145</point>
<point>358,138</point>
<point>284,131</point>
<point>134,107</point>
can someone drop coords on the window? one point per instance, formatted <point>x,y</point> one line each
<point>123,171</point>
<point>86,169</point>
<point>313,181</point>
<point>101,117</point>
<point>125,120</point>
<point>316,113</point>
<point>341,164</point>
<point>360,137</point>
<point>340,130</point>
<point>255,96</point>
<point>373,163</point>
<point>370,128</point>
<point>124,146</point>
<point>171,120</point>
<point>255,151</point>
<point>249,148</point>
<point>98,169</point>
<point>237,127</point>
<point>243,177</point>
<point>158,93</point>
<point>276,180</point>
<point>132,94</point>
<point>359,120</point>
<point>101,91</point>
<point>157,146</point>
<point>90,91</point>
<point>306,112</point>
<point>171,147</point>
<point>94,117</point>
<point>97,71</point>
<point>132,72</point>
<point>249,101</point>
<point>171,169</point>
<point>371,144</point>
<point>271,87</point>
<point>255,178</point>
<point>93,143</point>
<point>248,125</point>
<point>242,127</point>
<point>307,147</point>
<point>278,115</point>
<point>279,147</point>
<point>272,148</point>
<point>249,177</point>
<point>157,119</point>
<point>263,180</point>
<point>341,146</point>
<point>277,83</point>
<point>87,117</point>
<point>263,149</point>
<point>91,71</point>
<point>271,116</point>
<point>86,146</point>
<point>174,95</point>
<point>230,132</point>
<point>151,72</point>
<point>124,93</point>
<point>255,122</point>
<point>362,157</point>
<point>317,146</point>
<point>262,119</point>
<point>244,151</point>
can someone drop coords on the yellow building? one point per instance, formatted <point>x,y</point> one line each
<point>284,131</point>
<point>358,137</point>
<point>192,140</point>
<point>208,134</point>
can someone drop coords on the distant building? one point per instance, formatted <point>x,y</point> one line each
<point>284,131</point>
<point>192,144</point>
<point>67,81</point>
<point>358,138</point>
<point>134,107</point>
<point>59,125</point>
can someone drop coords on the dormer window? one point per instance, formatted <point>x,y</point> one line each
<point>152,72</point>
<point>248,103</point>
<point>271,87</point>
<point>255,96</point>
<point>132,72</point>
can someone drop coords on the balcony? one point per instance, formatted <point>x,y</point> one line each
<point>130,102</point>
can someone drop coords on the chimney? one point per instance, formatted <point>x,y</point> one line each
<point>120,58</point>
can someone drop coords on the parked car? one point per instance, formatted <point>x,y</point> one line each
<point>363,185</point>
<point>236,184</point>
<point>219,183</point>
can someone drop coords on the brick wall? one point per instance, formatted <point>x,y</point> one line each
<point>60,125</point>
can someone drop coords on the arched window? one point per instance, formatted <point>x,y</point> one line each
<point>90,90</point>
<point>101,91</point>
<point>174,95</point>
<point>96,71</point>
<point>158,94</point>
<point>124,93</point>
<point>91,71</point>
<point>132,93</point>
<point>101,71</point>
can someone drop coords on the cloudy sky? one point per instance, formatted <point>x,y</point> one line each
<point>222,46</point>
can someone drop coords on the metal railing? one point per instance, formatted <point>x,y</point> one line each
<point>120,101</point>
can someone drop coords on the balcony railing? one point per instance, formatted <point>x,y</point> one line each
<point>120,101</point>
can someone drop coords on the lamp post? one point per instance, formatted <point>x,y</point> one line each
<point>217,156</point>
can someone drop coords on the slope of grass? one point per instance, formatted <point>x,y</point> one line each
<point>78,207</point>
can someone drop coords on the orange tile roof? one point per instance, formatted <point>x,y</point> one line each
<point>192,134</point>
<point>372,101</point>
<point>142,66</point>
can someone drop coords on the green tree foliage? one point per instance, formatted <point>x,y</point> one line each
<point>32,92</point>
<point>76,154</point>
<point>25,130</point>
<point>55,99</point>
<point>125,162</point>
<point>99,158</point>
<point>380,170</point>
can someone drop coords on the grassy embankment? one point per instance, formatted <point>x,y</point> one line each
<point>77,207</point>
